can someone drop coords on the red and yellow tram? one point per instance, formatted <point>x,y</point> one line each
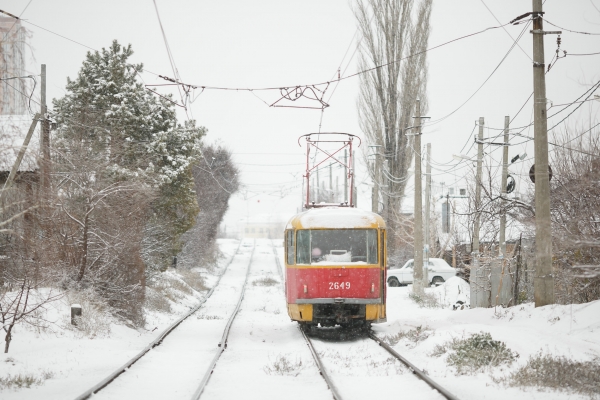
<point>335,267</point>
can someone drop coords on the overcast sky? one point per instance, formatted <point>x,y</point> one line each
<point>273,43</point>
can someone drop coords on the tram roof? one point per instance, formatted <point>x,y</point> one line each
<point>335,218</point>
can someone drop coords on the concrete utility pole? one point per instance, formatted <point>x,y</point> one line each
<point>418,285</point>
<point>318,193</point>
<point>354,191</point>
<point>427,211</point>
<point>345,176</point>
<point>543,285</point>
<point>330,197</point>
<point>477,222</point>
<point>45,137</point>
<point>476,287</point>
<point>376,180</point>
<point>502,239</point>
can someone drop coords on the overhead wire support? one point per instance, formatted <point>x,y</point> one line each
<point>171,58</point>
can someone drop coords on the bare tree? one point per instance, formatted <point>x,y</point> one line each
<point>393,40</point>
<point>575,213</point>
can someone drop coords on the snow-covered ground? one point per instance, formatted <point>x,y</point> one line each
<point>572,331</point>
<point>266,357</point>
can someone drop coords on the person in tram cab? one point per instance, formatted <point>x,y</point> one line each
<point>316,254</point>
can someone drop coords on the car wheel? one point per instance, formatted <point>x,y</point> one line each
<point>437,280</point>
<point>393,282</point>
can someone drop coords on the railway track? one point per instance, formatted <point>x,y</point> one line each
<point>247,359</point>
<point>224,338</point>
<point>337,390</point>
<point>126,368</point>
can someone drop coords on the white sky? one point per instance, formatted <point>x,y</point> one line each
<point>286,43</point>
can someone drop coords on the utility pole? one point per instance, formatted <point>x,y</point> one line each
<point>330,197</point>
<point>502,235</point>
<point>45,137</point>
<point>418,284</point>
<point>476,288</point>
<point>354,191</point>
<point>543,285</point>
<point>345,176</point>
<point>318,194</point>
<point>376,180</point>
<point>427,210</point>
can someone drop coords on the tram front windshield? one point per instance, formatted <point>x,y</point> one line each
<point>336,246</point>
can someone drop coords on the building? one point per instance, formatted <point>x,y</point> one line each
<point>263,226</point>
<point>13,87</point>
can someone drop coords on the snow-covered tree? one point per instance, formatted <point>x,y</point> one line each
<point>120,163</point>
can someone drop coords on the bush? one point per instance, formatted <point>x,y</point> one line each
<point>415,336</point>
<point>475,353</point>
<point>95,317</point>
<point>557,373</point>
<point>268,281</point>
<point>283,366</point>
<point>23,380</point>
<point>427,300</point>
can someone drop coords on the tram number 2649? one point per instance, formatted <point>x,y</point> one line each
<point>339,285</point>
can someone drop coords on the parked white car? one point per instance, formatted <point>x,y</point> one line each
<point>438,272</point>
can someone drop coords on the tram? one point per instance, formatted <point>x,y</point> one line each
<point>335,260</point>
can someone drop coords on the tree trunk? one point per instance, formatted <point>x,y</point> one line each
<point>84,247</point>
<point>8,337</point>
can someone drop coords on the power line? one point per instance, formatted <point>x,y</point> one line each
<point>572,31</point>
<point>488,78</point>
<point>513,39</point>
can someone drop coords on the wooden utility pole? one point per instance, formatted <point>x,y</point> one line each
<point>427,211</point>
<point>502,238</point>
<point>45,137</point>
<point>543,285</point>
<point>17,164</point>
<point>418,285</point>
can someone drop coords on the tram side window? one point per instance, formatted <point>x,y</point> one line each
<point>303,247</point>
<point>371,246</point>
<point>289,245</point>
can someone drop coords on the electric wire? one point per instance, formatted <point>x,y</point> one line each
<point>498,21</point>
<point>486,80</point>
<point>569,30</point>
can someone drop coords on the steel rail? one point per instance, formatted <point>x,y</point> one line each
<point>156,342</point>
<point>414,369</point>
<point>223,343</point>
<point>322,371</point>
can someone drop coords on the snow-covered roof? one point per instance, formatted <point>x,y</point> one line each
<point>336,218</point>
<point>13,130</point>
